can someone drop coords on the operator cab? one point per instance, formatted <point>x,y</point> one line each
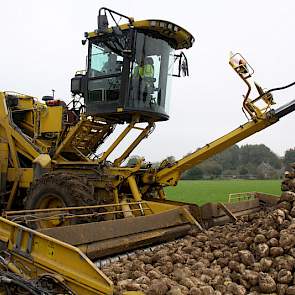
<point>130,68</point>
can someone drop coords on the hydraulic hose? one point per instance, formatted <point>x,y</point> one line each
<point>285,109</point>
<point>23,286</point>
<point>8,280</point>
<point>274,89</point>
<point>280,88</point>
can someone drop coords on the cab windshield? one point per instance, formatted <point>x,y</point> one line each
<point>151,72</point>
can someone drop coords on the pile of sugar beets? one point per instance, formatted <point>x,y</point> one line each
<point>256,255</point>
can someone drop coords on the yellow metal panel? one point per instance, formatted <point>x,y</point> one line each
<point>25,103</point>
<point>3,157</point>
<point>51,119</point>
<point>158,207</point>
<point>26,176</point>
<point>48,255</point>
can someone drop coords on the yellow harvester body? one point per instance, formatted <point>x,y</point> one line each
<point>63,202</point>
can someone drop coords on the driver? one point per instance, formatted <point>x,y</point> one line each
<point>145,69</point>
<point>111,66</point>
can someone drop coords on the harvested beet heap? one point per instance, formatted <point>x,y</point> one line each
<point>254,256</point>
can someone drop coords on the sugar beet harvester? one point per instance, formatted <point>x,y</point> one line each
<point>62,202</point>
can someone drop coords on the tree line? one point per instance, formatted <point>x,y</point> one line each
<point>248,161</point>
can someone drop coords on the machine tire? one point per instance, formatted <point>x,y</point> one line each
<point>56,190</point>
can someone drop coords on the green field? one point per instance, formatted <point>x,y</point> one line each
<point>203,191</point>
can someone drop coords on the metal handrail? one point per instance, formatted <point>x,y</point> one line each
<point>241,196</point>
<point>7,213</point>
<point>64,216</point>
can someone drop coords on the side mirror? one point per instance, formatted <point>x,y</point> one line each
<point>182,68</point>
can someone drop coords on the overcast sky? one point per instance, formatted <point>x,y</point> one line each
<point>41,50</point>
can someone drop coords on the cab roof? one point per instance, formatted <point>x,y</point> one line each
<point>181,38</point>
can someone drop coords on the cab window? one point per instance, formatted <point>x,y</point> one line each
<point>104,62</point>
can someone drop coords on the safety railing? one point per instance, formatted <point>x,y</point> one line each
<point>114,210</point>
<point>243,196</point>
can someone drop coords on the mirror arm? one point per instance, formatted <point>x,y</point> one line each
<point>112,12</point>
<point>186,63</point>
<point>181,59</point>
